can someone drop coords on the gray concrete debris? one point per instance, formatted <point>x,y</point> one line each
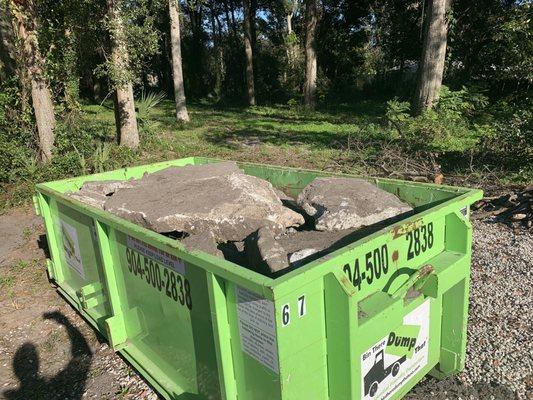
<point>90,198</point>
<point>346,203</point>
<point>204,242</point>
<point>273,254</point>
<point>299,255</point>
<point>217,198</point>
<point>190,173</point>
<point>95,193</point>
<point>265,253</point>
<point>105,187</point>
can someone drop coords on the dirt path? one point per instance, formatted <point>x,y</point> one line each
<point>48,352</point>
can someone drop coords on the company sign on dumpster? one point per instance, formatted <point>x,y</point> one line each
<point>396,358</point>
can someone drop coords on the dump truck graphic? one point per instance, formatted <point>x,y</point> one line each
<point>378,372</point>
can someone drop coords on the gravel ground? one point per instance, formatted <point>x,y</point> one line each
<point>499,361</point>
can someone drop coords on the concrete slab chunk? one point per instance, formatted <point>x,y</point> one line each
<point>265,253</point>
<point>272,254</point>
<point>347,203</point>
<point>217,198</point>
<point>95,193</point>
<point>205,242</point>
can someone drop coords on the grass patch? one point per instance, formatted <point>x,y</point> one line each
<point>367,137</point>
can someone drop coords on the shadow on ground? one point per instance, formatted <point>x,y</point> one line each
<point>67,384</point>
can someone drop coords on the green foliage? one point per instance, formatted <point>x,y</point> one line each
<point>491,41</point>
<point>146,104</point>
<point>133,30</point>
<point>16,132</point>
<point>366,50</point>
<point>511,144</point>
<point>449,127</point>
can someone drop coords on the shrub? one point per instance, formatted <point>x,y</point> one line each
<point>453,125</point>
<point>16,132</point>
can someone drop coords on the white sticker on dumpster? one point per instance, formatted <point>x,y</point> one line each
<point>257,328</point>
<point>395,359</point>
<point>166,259</point>
<point>71,247</point>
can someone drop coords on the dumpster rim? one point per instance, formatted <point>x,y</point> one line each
<point>242,275</point>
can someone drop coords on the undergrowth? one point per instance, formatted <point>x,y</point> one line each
<point>463,134</point>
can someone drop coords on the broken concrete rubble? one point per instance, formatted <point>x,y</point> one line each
<point>217,209</point>
<point>205,242</point>
<point>97,193</point>
<point>265,253</point>
<point>346,203</point>
<point>188,173</point>
<point>272,254</point>
<point>217,198</point>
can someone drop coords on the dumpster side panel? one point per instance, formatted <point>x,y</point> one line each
<point>165,308</point>
<point>254,346</point>
<point>76,259</point>
<point>151,305</point>
<point>455,298</point>
<point>302,342</point>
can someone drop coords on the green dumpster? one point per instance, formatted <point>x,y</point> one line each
<point>367,321</point>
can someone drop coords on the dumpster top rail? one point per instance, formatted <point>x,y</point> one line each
<point>425,198</point>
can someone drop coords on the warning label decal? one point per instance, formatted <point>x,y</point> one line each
<point>257,328</point>
<point>71,248</point>
<point>396,358</point>
<point>156,254</point>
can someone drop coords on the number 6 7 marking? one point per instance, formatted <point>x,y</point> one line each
<point>286,311</point>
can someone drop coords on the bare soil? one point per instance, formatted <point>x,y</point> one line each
<point>47,351</point>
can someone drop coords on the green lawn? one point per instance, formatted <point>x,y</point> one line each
<point>277,135</point>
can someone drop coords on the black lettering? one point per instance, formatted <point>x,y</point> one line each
<point>188,295</point>
<point>173,288</point>
<point>181,294</point>
<point>128,257</point>
<point>377,263</point>
<point>139,265</point>
<point>147,270</point>
<point>385,259</point>
<point>348,271</point>
<point>357,275</point>
<point>430,235</point>
<point>167,286</point>
<point>392,336</point>
<point>409,238</point>
<point>369,268</point>
<point>416,235</point>
<point>424,237</point>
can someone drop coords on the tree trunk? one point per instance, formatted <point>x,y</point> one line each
<point>177,70</point>
<point>125,118</point>
<point>291,45</point>
<point>311,20</point>
<point>216,29</point>
<point>248,20</point>
<point>41,96</point>
<point>7,43</point>
<point>431,67</point>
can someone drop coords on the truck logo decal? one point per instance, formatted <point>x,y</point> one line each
<point>402,341</point>
<point>392,361</point>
